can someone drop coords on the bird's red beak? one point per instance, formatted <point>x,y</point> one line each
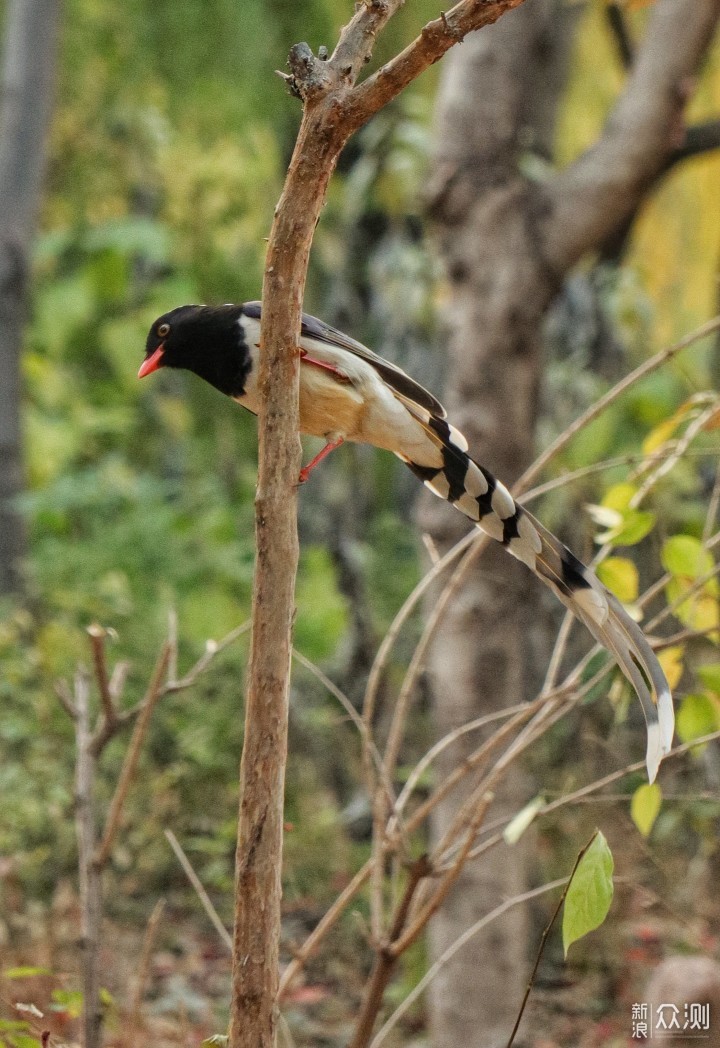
<point>152,363</point>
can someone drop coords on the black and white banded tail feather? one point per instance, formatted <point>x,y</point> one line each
<point>488,503</point>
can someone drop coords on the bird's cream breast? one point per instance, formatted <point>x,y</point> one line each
<point>329,407</point>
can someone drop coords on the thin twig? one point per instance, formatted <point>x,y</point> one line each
<point>433,904</point>
<point>543,939</point>
<point>212,650</point>
<point>199,890</point>
<point>132,755</point>
<point>447,740</point>
<point>642,371</point>
<point>172,669</point>
<point>468,934</point>
<point>365,736</point>
<point>97,637</point>
<point>144,965</point>
<point>89,875</point>
<point>62,690</point>
<point>386,957</point>
<point>584,791</point>
<point>326,922</point>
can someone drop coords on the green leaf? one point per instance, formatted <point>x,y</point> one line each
<point>710,676</point>
<point>684,555</point>
<point>24,1040</point>
<point>637,523</point>
<point>621,577</point>
<point>216,1039</point>
<point>645,806</point>
<point>590,893</point>
<point>698,715</point>
<point>25,972</point>
<point>624,524</point>
<point>70,1001</point>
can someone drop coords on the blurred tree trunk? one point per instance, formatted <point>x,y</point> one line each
<point>28,75</point>
<point>508,241</point>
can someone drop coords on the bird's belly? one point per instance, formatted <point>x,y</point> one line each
<point>328,408</point>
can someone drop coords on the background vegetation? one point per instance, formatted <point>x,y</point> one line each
<point>168,148</point>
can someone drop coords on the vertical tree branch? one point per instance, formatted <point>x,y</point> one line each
<point>26,90</point>
<point>329,118</point>
<point>90,889</point>
<point>262,772</point>
<point>132,756</point>
<point>386,958</point>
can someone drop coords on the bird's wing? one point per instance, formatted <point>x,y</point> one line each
<point>395,377</point>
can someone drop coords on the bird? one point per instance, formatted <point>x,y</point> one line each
<point>349,393</point>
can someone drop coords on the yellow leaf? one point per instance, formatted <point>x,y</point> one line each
<point>671,660</point>
<point>645,806</point>
<point>619,496</point>
<point>621,577</point>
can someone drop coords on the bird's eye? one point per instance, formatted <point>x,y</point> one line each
<point>164,330</point>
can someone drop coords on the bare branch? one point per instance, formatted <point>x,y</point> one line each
<point>97,637</point>
<point>62,690</point>
<point>144,965</point>
<point>436,38</point>
<point>324,925</point>
<point>118,679</point>
<point>646,368</point>
<point>618,26</point>
<point>199,890</point>
<point>212,650</point>
<point>386,959</point>
<point>593,198</point>
<point>453,949</point>
<point>90,897</point>
<point>132,756</point>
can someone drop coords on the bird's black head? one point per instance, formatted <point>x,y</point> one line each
<point>208,340</point>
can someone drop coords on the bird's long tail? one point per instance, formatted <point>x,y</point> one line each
<point>476,493</point>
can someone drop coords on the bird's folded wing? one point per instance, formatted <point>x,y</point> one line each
<point>395,377</point>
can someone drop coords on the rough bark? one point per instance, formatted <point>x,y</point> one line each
<point>507,243</point>
<point>26,93</point>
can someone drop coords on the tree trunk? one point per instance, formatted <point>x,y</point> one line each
<point>507,243</point>
<point>498,95</point>
<point>28,75</point>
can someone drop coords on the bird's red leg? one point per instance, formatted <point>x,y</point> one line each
<point>339,375</point>
<point>307,470</point>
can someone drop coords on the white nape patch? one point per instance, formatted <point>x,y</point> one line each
<point>468,505</point>
<point>457,439</point>
<point>527,532</point>
<point>592,603</point>
<point>522,551</point>
<point>493,527</point>
<point>250,330</point>
<point>654,752</point>
<point>502,501</point>
<point>475,483</point>
<point>439,485</point>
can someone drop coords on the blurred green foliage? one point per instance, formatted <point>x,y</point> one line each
<point>168,151</point>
